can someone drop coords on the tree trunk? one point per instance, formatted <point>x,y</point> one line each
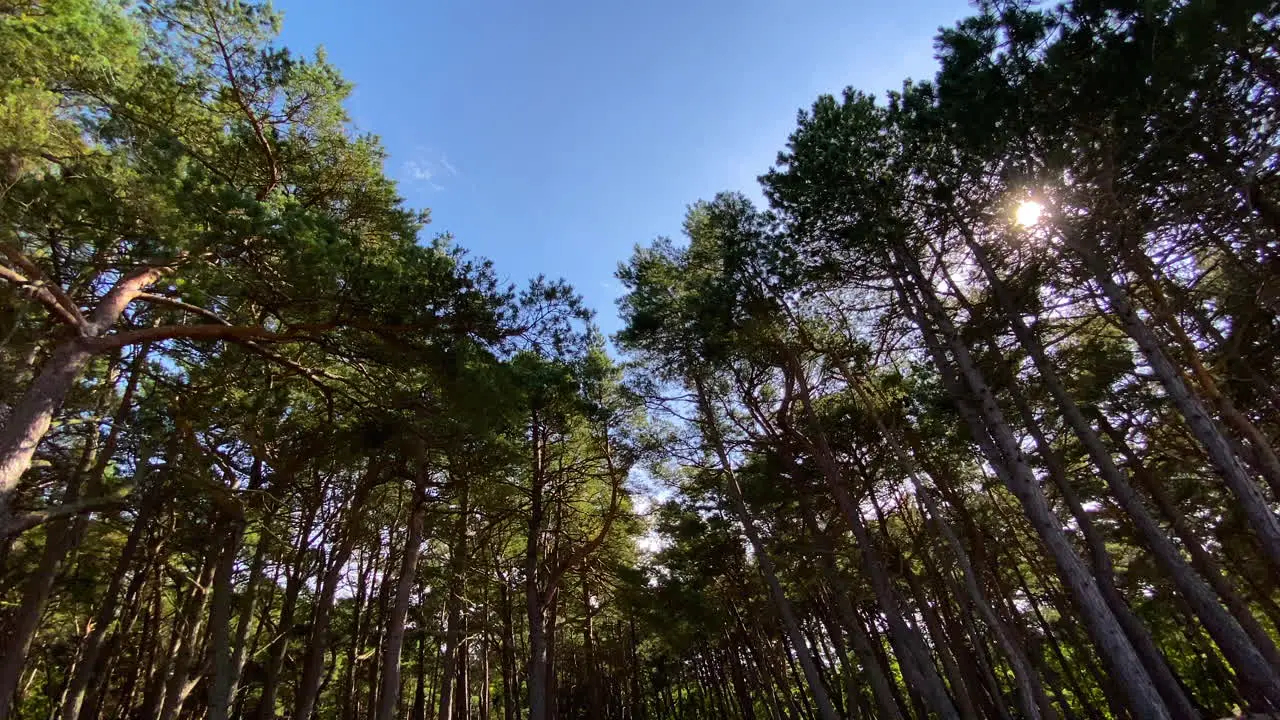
<point>591,675</point>
<point>456,590</point>
<point>825,709</point>
<point>279,648</point>
<point>30,419</point>
<point>104,618</point>
<point>21,435</point>
<point>389,697</point>
<point>1145,701</point>
<point>180,667</point>
<point>881,687</point>
<point>222,685</point>
<point>917,665</point>
<point>1235,644</point>
<point>66,534</point>
<point>1221,453</point>
<point>1031,697</point>
<point>314,661</point>
<point>508,652</point>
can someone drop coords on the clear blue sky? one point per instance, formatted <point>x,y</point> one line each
<point>554,135</point>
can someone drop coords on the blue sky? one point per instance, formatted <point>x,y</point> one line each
<point>553,136</point>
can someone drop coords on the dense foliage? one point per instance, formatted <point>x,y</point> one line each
<point>977,419</point>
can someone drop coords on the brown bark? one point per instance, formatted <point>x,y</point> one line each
<point>389,695</point>
<point>1003,451</point>
<point>825,709</point>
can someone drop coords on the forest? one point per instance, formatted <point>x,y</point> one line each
<point>975,416</point>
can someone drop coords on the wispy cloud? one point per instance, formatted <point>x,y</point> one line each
<point>418,171</point>
<point>428,167</point>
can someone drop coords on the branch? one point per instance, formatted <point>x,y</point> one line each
<point>123,293</point>
<point>26,521</point>
<point>236,333</point>
<point>587,550</point>
<point>176,303</point>
<point>314,376</point>
<point>41,292</point>
<point>30,268</point>
<point>255,123</point>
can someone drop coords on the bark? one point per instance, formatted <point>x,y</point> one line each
<point>350,699</point>
<point>222,685</point>
<point>535,607</point>
<point>509,690</point>
<point>881,686</point>
<point>1032,700</point>
<point>314,661</point>
<point>418,711</point>
<point>389,695</point>
<point>1261,455</point>
<point>279,647</point>
<point>917,665</point>
<point>825,709</point>
<point>1200,557</point>
<point>1234,642</point>
<point>1145,702</point>
<point>457,591</point>
<point>485,694</point>
<point>591,679</point>
<point>246,611</point>
<point>1103,569</point>
<point>30,419</point>
<point>637,704</point>
<point>1219,449</point>
<point>181,674</point>
<point>63,537</point>
<point>27,425</point>
<point>104,619</point>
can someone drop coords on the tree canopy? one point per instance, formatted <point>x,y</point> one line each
<point>975,416</point>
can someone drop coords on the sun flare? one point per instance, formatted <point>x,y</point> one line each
<point>1028,213</point>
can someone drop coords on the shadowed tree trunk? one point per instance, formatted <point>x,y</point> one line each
<point>389,695</point>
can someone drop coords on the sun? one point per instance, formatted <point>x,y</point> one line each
<point>1028,213</point>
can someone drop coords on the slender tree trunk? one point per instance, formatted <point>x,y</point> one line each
<point>314,661</point>
<point>591,679</point>
<point>881,687</point>
<point>637,704</point>
<point>389,696</point>
<point>1031,697</point>
<point>104,618</point>
<point>456,590</point>
<point>508,652</point>
<point>1104,571</point>
<point>825,710</point>
<point>419,709</point>
<point>222,685</point>
<point>178,681</point>
<point>1221,453</point>
<point>1261,455</point>
<point>486,697</point>
<point>534,604</point>
<point>279,647</point>
<point>1145,701</point>
<point>914,658</point>
<point>1245,658</point>
<point>1201,558</point>
<point>248,608</point>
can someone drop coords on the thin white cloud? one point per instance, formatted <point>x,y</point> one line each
<point>417,171</point>
<point>427,167</point>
